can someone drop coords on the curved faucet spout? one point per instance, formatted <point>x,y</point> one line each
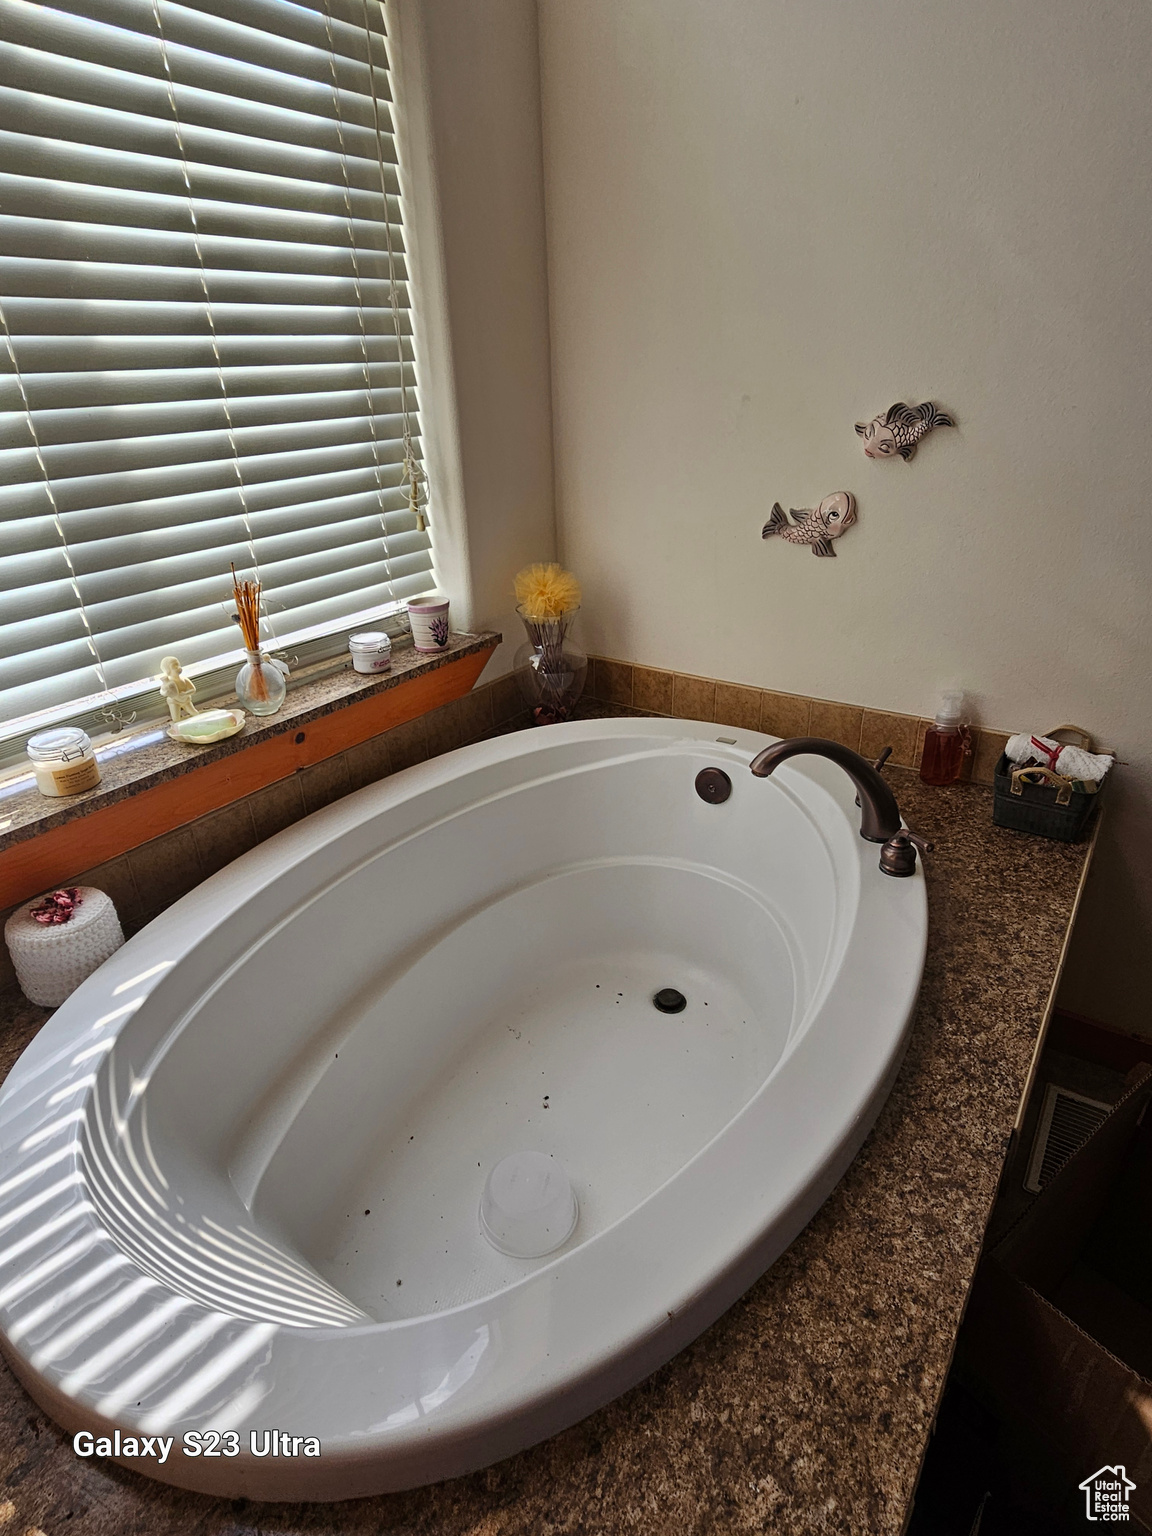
<point>879,813</point>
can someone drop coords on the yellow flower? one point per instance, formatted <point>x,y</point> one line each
<point>546,591</point>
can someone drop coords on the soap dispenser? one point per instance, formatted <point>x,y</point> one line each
<point>946,743</point>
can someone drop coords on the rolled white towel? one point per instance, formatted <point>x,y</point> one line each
<point>1072,762</point>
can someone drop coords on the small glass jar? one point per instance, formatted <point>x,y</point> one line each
<point>63,761</point>
<point>370,652</point>
<point>550,668</point>
<point>260,685</point>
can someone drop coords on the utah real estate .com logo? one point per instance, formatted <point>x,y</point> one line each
<point>1106,1494</point>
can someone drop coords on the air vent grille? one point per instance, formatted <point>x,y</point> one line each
<point>1067,1120</point>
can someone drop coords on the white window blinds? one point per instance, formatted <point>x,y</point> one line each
<point>205,347</point>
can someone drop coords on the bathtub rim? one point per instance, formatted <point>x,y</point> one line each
<point>602,1375</point>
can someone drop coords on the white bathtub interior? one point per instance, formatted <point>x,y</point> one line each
<point>559,1050</point>
<point>313,1139</point>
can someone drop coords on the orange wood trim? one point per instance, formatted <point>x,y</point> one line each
<point>38,863</point>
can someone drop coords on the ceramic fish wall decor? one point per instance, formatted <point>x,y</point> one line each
<point>815,527</point>
<point>899,429</point>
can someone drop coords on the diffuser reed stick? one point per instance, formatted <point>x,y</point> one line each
<point>247,597</point>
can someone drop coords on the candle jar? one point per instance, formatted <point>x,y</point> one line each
<point>63,761</point>
<point>260,685</point>
<point>429,619</point>
<point>370,652</point>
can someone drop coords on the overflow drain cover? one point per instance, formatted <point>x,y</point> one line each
<point>668,1000</point>
<point>713,785</point>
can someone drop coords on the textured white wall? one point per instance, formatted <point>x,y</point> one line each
<point>767,219</point>
<point>470,92</point>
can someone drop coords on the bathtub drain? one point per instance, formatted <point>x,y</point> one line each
<point>668,1000</point>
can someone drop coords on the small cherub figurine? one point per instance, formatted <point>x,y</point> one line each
<point>176,688</point>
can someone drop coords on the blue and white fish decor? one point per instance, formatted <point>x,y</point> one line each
<point>899,429</point>
<point>816,527</point>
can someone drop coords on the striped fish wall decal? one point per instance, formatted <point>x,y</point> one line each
<point>899,429</point>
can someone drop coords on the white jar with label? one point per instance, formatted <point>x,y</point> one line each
<point>63,761</point>
<point>370,652</point>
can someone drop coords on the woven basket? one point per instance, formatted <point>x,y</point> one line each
<point>1041,801</point>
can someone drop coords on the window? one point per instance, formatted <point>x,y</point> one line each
<point>205,340</point>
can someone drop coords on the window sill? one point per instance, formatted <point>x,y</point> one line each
<point>152,785</point>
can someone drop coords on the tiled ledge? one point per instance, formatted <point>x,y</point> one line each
<point>143,759</point>
<point>150,877</point>
<point>868,731</point>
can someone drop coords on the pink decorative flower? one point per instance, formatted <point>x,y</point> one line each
<point>57,907</point>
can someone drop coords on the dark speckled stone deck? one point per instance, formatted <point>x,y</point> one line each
<point>807,1407</point>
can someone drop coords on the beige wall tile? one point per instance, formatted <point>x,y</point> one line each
<point>507,727</point>
<point>900,732</point>
<point>988,747</point>
<point>866,731</point>
<point>784,714</point>
<point>115,879</point>
<point>737,706</point>
<point>693,698</point>
<point>223,836</point>
<point>613,681</point>
<point>652,689</point>
<point>836,722</point>
<point>368,761</point>
<point>324,782</point>
<point>407,744</point>
<point>165,869</point>
<point>442,729</point>
<point>474,712</point>
<point>276,806</point>
<point>507,700</point>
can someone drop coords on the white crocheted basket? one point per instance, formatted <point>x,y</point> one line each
<point>52,959</point>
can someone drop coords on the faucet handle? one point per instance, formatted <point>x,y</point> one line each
<point>879,764</point>
<point>898,855</point>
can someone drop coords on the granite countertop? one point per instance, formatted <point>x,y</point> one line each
<point>807,1407</point>
<point>142,758</point>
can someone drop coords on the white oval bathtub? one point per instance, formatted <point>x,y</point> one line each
<point>240,1169</point>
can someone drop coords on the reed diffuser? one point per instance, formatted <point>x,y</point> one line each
<point>260,685</point>
<point>549,667</point>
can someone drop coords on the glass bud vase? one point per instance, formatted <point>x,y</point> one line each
<point>550,668</point>
<point>260,685</point>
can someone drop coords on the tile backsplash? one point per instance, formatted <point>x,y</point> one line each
<point>149,878</point>
<point>867,731</point>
